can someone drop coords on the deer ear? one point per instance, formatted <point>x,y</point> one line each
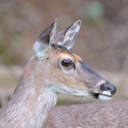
<point>70,34</point>
<point>44,39</point>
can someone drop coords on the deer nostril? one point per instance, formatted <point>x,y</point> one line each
<point>108,87</point>
<point>112,88</point>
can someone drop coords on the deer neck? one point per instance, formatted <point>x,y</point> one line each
<point>30,102</point>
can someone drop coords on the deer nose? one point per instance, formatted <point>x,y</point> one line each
<point>108,87</point>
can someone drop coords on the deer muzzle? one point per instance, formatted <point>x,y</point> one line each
<point>98,86</point>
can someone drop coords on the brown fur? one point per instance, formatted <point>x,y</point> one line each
<point>113,114</point>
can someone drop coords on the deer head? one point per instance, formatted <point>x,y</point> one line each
<point>64,71</point>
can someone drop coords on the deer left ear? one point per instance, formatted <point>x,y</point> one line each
<point>45,39</point>
<point>70,34</point>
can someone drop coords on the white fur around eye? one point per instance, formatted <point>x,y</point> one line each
<point>64,69</point>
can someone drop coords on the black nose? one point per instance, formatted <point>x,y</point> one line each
<point>108,87</point>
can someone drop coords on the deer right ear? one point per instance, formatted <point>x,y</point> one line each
<point>44,39</point>
<point>67,36</point>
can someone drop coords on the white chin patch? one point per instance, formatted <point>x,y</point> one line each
<point>105,95</point>
<point>104,98</point>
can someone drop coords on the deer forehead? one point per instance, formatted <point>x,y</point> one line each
<point>70,56</point>
<point>66,56</point>
<point>77,58</point>
<point>65,53</point>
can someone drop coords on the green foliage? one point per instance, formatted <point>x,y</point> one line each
<point>2,48</point>
<point>93,11</point>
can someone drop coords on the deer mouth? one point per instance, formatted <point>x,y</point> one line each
<point>105,95</point>
<point>104,90</point>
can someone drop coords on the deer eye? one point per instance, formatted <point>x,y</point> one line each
<point>68,63</point>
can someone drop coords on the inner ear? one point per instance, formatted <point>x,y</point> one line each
<point>43,41</point>
<point>71,33</point>
<point>66,37</point>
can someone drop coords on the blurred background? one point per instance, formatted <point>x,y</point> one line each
<point>102,41</point>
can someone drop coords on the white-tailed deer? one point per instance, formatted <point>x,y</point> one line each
<point>51,70</point>
<point>112,114</point>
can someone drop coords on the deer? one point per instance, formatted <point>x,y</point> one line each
<point>110,114</point>
<point>53,69</point>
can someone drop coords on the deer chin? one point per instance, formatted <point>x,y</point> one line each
<point>104,96</point>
